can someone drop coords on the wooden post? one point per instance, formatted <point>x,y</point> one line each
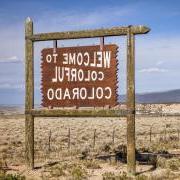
<point>113,135</point>
<point>165,134</point>
<point>150,134</point>
<point>69,138</point>
<point>29,97</point>
<point>131,159</point>
<point>49,142</point>
<point>94,139</point>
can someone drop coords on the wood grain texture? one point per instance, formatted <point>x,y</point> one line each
<point>29,96</point>
<point>110,77</point>
<point>78,113</point>
<point>29,141</point>
<point>131,159</point>
<point>29,67</point>
<point>115,31</point>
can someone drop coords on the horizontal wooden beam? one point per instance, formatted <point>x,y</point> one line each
<point>77,113</point>
<point>116,31</point>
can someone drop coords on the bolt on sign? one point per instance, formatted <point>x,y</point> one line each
<point>82,76</point>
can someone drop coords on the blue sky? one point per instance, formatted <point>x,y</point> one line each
<point>157,53</point>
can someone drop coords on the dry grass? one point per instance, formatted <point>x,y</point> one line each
<point>58,160</point>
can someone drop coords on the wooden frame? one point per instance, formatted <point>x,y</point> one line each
<point>77,113</point>
<point>30,112</point>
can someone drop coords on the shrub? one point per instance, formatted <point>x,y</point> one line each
<point>109,176</point>
<point>122,176</point>
<point>112,176</point>
<point>11,177</point>
<point>91,164</point>
<point>78,173</point>
<point>57,171</point>
<point>106,147</point>
<point>173,164</point>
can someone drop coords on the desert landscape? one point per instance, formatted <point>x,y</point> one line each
<point>89,90</point>
<point>92,148</point>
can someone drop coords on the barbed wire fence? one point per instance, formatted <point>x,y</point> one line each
<point>70,139</point>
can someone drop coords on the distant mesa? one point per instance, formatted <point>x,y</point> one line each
<point>14,97</point>
<point>172,96</point>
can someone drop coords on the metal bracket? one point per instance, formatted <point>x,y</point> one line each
<point>101,43</point>
<point>54,46</point>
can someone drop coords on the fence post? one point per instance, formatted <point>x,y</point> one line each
<point>94,139</point>
<point>49,142</point>
<point>165,133</point>
<point>131,159</point>
<point>113,135</point>
<point>150,133</point>
<point>29,96</point>
<point>69,138</point>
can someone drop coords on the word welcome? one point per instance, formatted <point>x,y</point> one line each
<point>100,59</point>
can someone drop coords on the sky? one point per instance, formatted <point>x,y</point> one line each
<point>157,53</point>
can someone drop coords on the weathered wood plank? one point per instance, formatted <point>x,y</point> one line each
<point>116,31</point>
<point>29,96</point>
<point>29,66</point>
<point>77,113</point>
<point>29,141</point>
<point>131,159</point>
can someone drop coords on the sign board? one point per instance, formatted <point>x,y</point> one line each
<point>82,76</point>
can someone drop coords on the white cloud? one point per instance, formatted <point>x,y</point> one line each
<point>71,20</point>
<point>153,49</point>
<point>12,86</point>
<point>11,59</point>
<point>159,63</point>
<point>153,70</point>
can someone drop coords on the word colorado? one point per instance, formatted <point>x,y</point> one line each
<point>82,76</point>
<point>79,93</point>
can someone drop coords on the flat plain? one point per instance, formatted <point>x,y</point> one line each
<point>92,148</point>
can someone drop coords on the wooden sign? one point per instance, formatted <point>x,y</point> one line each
<point>82,76</point>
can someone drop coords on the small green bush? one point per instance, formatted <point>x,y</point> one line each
<point>122,176</point>
<point>91,164</point>
<point>11,177</point>
<point>57,171</point>
<point>112,176</point>
<point>78,173</point>
<point>173,164</point>
<point>109,176</point>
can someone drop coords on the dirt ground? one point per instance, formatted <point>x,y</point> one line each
<point>84,148</point>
